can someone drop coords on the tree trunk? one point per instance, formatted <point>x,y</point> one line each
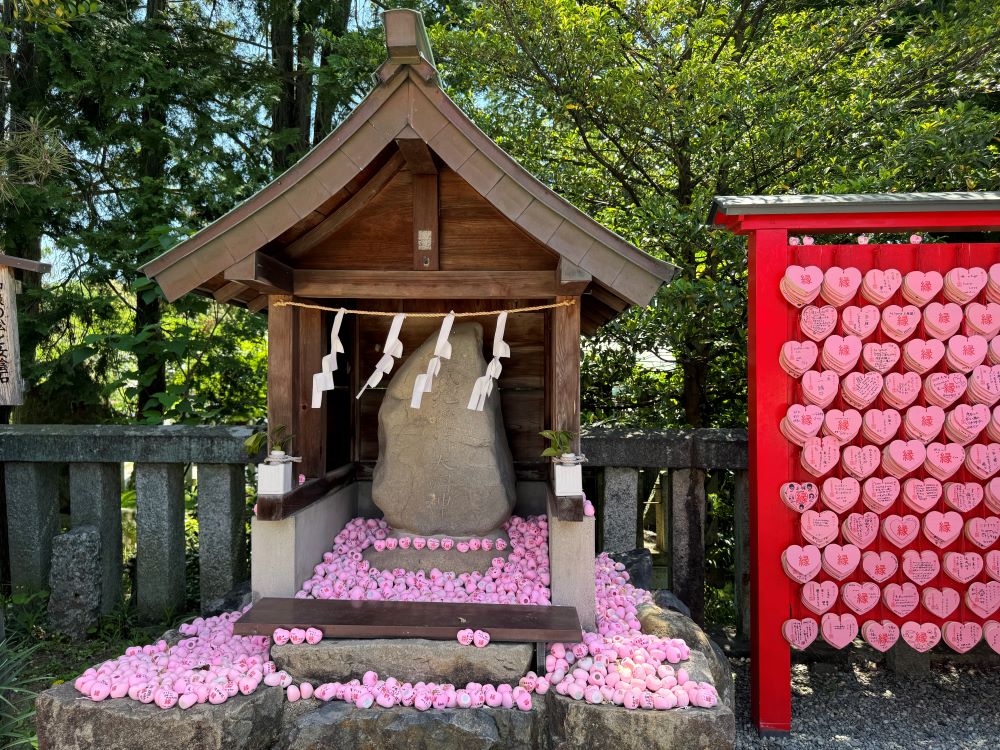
<point>283,112</point>
<point>336,24</point>
<point>693,398</point>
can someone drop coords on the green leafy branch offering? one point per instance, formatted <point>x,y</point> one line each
<point>560,442</point>
<point>274,440</point>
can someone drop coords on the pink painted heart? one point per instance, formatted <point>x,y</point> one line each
<point>818,597</point>
<point>920,567</point>
<point>899,323</point>
<point>880,357</point>
<point>801,283</point>
<point>993,564</point>
<point>921,356</point>
<point>860,528</point>
<point>820,455</point>
<point>800,633</point>
<point>818,322</point>
<point>942,528</point>
<point>900,530</point>
<point>840,494</point>
<point>920,637</point>
<point>991,495</point>
<point>860,389</point>
<point>900,600</point>
<point>839,630</point>
<point>861,462</point>
<point>945,388</point>
<point>840,284</point>
<point>879,286</point>
<point>963,496</point>
<point>983,598</point>
<point>962,566</point>
<point>906,456</point>
<point>879,566</point>
<point>985,380</point>
<point>983,532</point>
<point>991,634</point>
<point>843,425</point>
<point>801,563</point>
<point>819,528</point>
<point>841,353</point>
<point>861,597</point>
<point>941,321</point>
<point>965,353</point>
<point>820,388</point>
<point>840,561</point>
<point>962,636</point>
<point>943,460</point>
<point>881,425</point>
<point>920,288</point>
<point>964,283</point>
<point>798,356</point>
<point>799,496</point>
<point>923,423</point>
<point>940,602</point>
<point>983,461</point>
<point>984,319</point>
<point>881,636</point>
<point>922,494</point>
<point>860,321</point>
<point>880,493</point>
<point>902,389</point>
<point>807,419</point>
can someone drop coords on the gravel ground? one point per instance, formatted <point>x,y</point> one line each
<point>860,704</point>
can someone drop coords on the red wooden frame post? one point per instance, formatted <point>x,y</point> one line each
<point>770,599</point>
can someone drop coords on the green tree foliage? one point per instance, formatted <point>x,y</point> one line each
<point>640,111</point>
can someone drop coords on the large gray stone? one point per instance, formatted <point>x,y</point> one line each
<point>667,599</point>
<point>670,624</point>
<point>237,598</point>
<point>32,522</point>
<point>620,508</point>
<point>639,566</point>
<point>221,529</point>
<point>442,468</point>
<point>578,724</point>
<point>159,520</point>
<point>340,725</point>
<point>75,581</point>
<point>95,498</point>
<point>406,659</point>
<point>68,721</point>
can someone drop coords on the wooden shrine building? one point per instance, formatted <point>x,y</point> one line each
<point>407,206</point>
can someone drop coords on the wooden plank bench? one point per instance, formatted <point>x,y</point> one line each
<point>339,618</point>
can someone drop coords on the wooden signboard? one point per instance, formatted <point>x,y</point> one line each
<point>11,387</point>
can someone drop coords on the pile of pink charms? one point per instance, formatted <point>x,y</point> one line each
<point>616,665</point>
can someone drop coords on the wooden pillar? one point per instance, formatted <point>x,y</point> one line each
<point>770,534</point>
<point>572,544</point>
<point>313,343</point>
<point>283,368</point>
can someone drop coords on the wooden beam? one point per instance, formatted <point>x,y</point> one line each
<point>419,159</point>
<point>23,264</point>
<point>228,291</point>
<point>277,507</point>
<point>313,343</point>
<point>608,299</point>
<point>564,368</point>
<point>348,210</point>
<point>573,278</point>
<point>282,368</point>
<point>257,303</point>
<point>261,272</point>
<point>565,508</point>
<point>426,225</point>
<point>426,285</point>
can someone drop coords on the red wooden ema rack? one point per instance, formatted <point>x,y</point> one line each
<point>432,620</point>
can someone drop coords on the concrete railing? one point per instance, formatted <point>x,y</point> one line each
<point>31,458</point>
<point>672,466</point>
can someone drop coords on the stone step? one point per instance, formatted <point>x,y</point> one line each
<point>406,659</point>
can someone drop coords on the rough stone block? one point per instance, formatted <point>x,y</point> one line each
<point>578,724</point>
<point>667,599</point>
<point>221,537</point>
<point>95,497</point>
<point>67,721</point>
<point>340,725</point>
<point>620,508</point>
<point>75,581</point>
<point>32,522</point>
<point>406,659</point>
<point>639,566</point>
<point>159,490</point>
<point>907,662</point>
<point>687,505</point>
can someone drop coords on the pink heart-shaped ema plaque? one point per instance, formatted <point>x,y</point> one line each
<point>798,356</point>
<point>861,597</point>
<point>965,353</point>
<point>819,528</point>
<point>860,321</point>
<point>962,636</point>
<point>991,634</point>
<point>921,494</point>
<point>920,288</point>
<point>920,567</point>
<point>879,566</point>
<point>921,356</point>
<point>943,460</point>
<point>820,455</point>
<point>940,602</point>
<point>799,496</point>
<point>839,630</point>
<point>900,530</point>
<point>881,636</point>
<point>963,496</point>
<point>819,597</point>
<point>880,426</point>
<point>860,389</point>
<point>879,286</point>
<point>806,419</point>
<point>963,566</point>
<point>860,528</point>
<point>801,563</point>
<point>801,285</point>
<point>991,495</point>
<point>880,494</point>
<point>840,561</point>
<point>820,388</point>
<point>861,462</point>
<point>840,494</point>
<point>993,564</point>
<point>800,633</point>
<point>902,457</point>
<point>880,357</point>
<point>901,389</point>
<point>921,637</point>
<point>962,284</point>
<point>840,285</point>
<point>900,600</point>
<point>983,532</point>
<point>818,322</point>
<point>843,425</point>
<point>941,321</point>
<point>983,598</point>
<point>841,353</point>
<point>945,388</point>
<point>983,461</point>
<point>942,528</point>
<point>983,319</point>
<point>923,423</point>
<point>899,323</point>
<point>984,384</point>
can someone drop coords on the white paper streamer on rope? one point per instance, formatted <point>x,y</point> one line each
<point>484,385</point>
<point>442,350</point>
<point>393,349</point>
<point>323,380</point>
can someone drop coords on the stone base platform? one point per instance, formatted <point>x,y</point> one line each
<point>407,659</point>
<point>426,559</point>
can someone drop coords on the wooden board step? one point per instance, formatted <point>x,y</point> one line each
<point>433,620</point>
